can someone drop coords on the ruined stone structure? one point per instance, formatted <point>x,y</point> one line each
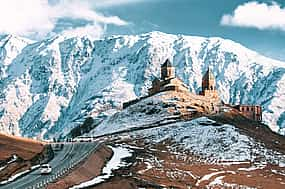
<point>253,112</point>
<point>168,82</point>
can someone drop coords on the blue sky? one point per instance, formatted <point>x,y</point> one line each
<point>201,18</point>
<point>259,25</point>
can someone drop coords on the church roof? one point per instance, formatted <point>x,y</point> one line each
<point>209,75</point>
<point>167,63</point>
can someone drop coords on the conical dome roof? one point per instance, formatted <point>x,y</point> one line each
<point>167,63</point>
<point>209,75</point>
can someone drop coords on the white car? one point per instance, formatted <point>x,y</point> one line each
<point>45,169</point>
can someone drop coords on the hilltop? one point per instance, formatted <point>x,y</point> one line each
<point>204,150</point>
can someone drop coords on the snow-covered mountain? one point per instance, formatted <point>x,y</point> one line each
<point>49,87</point>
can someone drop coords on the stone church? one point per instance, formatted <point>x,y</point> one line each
<point>169,82</point>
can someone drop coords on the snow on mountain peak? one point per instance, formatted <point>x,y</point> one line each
<point>54,84</point>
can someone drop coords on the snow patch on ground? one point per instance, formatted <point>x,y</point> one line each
<point>217,181</point>
<point>233,163</point>
<point>279,172</point>
<point>208,176</point>
<point>254,167</point>
<point>14,177</point>
<point>3,167</point>
<point>115,163</point>
<point>13,159</point>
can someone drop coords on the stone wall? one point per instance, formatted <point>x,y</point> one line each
<point>253,112</point>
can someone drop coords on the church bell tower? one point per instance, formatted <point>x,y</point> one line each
<point>208,81</point>
<point>167,70</point>
<point>209,85</point>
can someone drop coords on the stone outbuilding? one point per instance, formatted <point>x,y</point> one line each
<point>253,112</point>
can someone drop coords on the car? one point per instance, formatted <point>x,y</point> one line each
<point>45,169</point>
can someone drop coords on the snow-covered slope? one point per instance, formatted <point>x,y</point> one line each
<point>206,138</point>
<point>147,112</point>
<point>152,120</point>
<point>53,85</point>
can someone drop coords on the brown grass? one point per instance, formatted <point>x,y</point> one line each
<point>23,147</point>
<point>184,170</point>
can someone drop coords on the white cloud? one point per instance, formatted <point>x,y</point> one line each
<point>38,17</point>
<point>82,9</point>
<point>109,3</point>
<point>20,17</point>
<point>94,31</point>
<point>257,15</point>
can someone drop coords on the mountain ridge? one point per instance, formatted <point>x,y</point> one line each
<point>51,86</point>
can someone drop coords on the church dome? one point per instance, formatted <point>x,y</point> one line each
<point>209,75</point>
<point>167,63</point>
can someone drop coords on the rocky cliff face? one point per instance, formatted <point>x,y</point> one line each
<point>49,87</point>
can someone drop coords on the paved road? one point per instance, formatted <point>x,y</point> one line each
<point>71,152</point>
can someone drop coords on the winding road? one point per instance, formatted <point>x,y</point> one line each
<point>71,153</point>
